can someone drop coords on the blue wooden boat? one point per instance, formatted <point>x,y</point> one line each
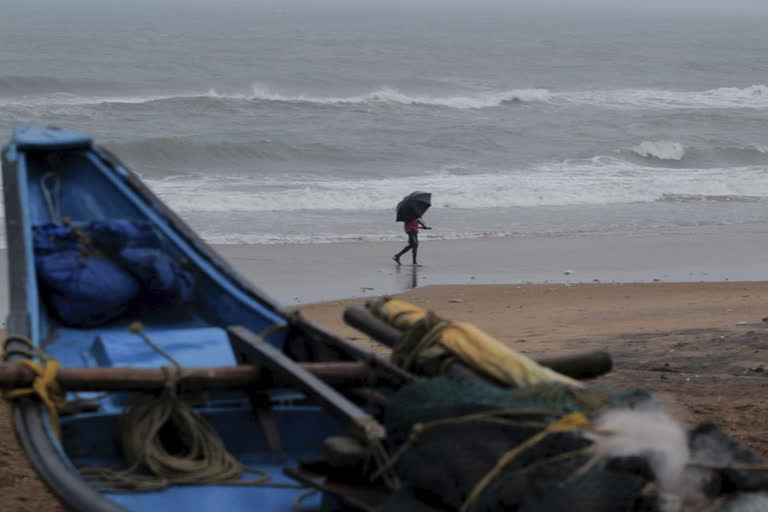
<point>279,427</point>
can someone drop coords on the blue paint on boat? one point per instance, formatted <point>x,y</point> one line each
<point>30,138</point>
<point>94,185</point>
<point>190,348</point>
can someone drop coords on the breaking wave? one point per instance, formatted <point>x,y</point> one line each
<point>662,153</point>
<point>598,180</point>
<point>384,95</point>
<point>391,95</point>
<point>754,97</point>
<point>663,150</point>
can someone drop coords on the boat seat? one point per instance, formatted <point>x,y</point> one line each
<point>190,347</point>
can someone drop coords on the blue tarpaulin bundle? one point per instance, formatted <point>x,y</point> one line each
<point>86,290</point>
<point>112,236</point>
<point>160,277</point>
<point>100,272</point>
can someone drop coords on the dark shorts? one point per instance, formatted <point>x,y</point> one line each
<point>413,238</point>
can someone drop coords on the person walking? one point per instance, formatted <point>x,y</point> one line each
<point>412,230</point>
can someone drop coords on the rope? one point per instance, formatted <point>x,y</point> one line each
<point>51,195</point>
<point>199,459</point>
<point>429,337</point>
<point>298,500</point>
<point>732,467</point>
<point>416,345</point>
<point>419,429</point>
<point>138,328</point>
<point>569,423</point>
<point>44,386</point>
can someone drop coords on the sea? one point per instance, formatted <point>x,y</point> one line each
<point>306,122</point>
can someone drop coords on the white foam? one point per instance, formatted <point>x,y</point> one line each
<point>663,150</point>
<point>598,180</point>
<point>755,96</point>
<point>262,93</point>
<point>392,95</point>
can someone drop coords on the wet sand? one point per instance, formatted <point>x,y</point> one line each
<point>298,274</point>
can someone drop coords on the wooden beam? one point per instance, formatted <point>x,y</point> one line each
<point>251,348</point>
<point>346,374</point>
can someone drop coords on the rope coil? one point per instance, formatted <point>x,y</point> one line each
<point>198,456</point>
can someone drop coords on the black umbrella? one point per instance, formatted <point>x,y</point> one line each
<point>413,206</point>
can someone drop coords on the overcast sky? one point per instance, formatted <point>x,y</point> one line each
<point>569,4</point>
<point>692,5</point>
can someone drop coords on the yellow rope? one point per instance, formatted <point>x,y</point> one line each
<point>44,386</point>
<point>495,415</point>
<point>571,422</point>
<point>732,467</point>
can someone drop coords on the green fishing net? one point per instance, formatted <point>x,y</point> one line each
<point>447,433</point>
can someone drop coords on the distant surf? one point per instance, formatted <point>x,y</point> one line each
<point>663,150</point>
<point>752,97</point>
<point>598,181</point>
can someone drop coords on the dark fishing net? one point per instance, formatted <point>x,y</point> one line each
<point>448,433</point>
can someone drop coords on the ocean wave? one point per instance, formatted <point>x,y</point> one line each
<point>383,95</point>
<point>32,84</point>
<point>699,198</point>
<point>598,180</point>
<point>662,150</point>
<point>391,95</point>
<point>753,97</point>
<point>666,153</point>
<point>164,153</point>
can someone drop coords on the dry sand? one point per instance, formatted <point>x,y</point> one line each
<point>700,346</point>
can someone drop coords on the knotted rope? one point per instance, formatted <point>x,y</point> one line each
<point>44,386</point>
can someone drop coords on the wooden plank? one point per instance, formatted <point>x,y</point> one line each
<point>247,344</point>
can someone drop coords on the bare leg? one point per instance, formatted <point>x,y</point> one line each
<point>396,257</point>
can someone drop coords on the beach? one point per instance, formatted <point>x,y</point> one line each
<point>598,172</point>
<point>680,315</point>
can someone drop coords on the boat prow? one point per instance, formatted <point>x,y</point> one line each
<point>59,181</point>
